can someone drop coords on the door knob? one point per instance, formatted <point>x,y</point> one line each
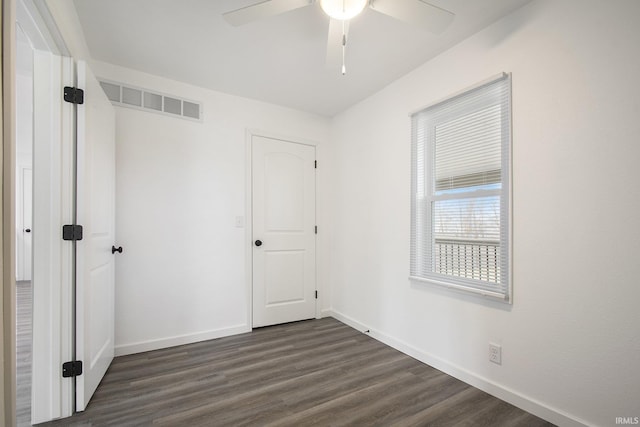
<point>114,249</point>
<point>27,230</point>
<point>258,242</point>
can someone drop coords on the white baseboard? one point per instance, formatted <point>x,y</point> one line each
<point>327,312</point>
<point>513,397</point>
<point>140,347</point>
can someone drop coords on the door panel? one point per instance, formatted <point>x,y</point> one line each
<point>95,266</point>
<point>284,277</point>
<point>283,195</point>
<point>284,187</point>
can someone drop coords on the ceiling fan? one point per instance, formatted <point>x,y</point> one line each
<point>417,12</point>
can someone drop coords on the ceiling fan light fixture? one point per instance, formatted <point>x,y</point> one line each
<point>343,10</point>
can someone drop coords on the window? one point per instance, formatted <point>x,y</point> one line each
<point>460,227</point>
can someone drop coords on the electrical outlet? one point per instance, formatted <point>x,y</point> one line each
<point>495,353</point>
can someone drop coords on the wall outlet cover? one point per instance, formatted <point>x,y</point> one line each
<point>495,353</point>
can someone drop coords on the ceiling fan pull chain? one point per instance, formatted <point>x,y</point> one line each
<point>344,46</point>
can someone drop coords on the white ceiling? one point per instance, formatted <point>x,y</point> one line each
<point>281,59</point>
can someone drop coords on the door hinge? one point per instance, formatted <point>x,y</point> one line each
<point>72,369</point>
<point>316,294</point>
<point>316,229</point>
<point>315,164</point>
<point>72,232</point>
<point>73,95</point>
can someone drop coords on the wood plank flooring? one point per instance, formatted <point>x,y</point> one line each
<point>312,373</point>
<point>24,322</point>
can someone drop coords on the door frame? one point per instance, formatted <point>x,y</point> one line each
<point>248,219</point>
<point>53,126</point>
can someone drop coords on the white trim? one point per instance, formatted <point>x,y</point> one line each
<point>485,82</point>
<point>51,394</point>
<point>280,137</point>
<point>509,191</point>
<point>513,397</point>
<point>327,312</point>
<point>465,289</point>
<point>37,22</point>
<point>248,226</point>
<point>161,343</point>
<point>66,129</point>
<point>32,26</point>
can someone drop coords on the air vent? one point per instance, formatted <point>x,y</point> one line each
<point>172,105</point>
<point>125,95</point>
<point>190,109</point>
<point>112,91</point>
<point>132,96</point>
<point>153,101</point>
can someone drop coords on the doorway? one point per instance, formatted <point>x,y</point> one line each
<point>284,231</point>
<point>23,230</point>
<point>43,261</point>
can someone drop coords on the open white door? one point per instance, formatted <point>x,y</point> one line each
<point>284,213</point>
<point>96,213</point>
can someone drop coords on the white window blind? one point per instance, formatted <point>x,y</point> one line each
<point>461,160</point>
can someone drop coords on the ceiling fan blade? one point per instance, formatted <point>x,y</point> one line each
<point>334,43</point>
<point>262,10</point>
<point>417,12</point>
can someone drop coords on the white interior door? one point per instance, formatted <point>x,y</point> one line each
<point>27,219</point>
<point>96,213</point>
<point>25,232</point>
<point>283,193</point>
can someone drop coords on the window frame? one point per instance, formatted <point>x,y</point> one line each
<point>424,183</point>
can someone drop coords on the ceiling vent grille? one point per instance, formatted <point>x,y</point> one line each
<point>149,100</point>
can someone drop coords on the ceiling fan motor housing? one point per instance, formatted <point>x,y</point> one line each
<point>343,10</point>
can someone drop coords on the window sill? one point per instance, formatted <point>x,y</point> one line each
<point>495,296</point>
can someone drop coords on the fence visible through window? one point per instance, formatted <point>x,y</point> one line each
<point>473,259</point>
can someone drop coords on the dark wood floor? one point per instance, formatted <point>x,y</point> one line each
<point>313,373</point>
<point>24,303</point>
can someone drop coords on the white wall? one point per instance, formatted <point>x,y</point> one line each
<point>180,186</point>
<point>571,339</point>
